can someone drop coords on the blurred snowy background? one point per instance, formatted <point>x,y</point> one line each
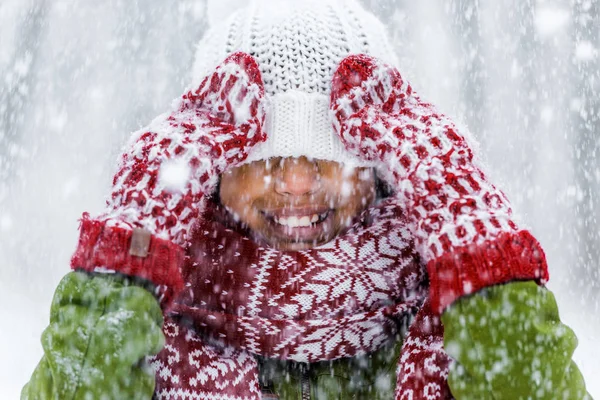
<point>77,76</point>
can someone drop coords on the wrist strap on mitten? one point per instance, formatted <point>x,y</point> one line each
<point>110,247</point>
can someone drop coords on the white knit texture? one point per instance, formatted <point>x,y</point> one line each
<point>298,124</point>
<point>298,45</point>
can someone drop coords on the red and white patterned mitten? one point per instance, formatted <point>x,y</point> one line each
<point>462,223</point>
<point>167,170</point>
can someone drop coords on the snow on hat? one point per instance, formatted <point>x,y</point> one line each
<point>298,45</point>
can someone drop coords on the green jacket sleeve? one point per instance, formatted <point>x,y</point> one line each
<point>509,343</point>
<point>101,328</point>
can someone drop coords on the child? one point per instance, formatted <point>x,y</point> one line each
<point>292,259</point>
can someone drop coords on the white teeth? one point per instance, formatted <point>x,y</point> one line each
<point>299,221</point>
<point>304,221</point>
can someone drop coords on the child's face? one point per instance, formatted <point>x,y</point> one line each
<point>296,203</point>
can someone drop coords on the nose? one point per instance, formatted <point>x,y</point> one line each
<point>297,177</point>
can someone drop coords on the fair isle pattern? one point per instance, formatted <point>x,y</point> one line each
<point>187,368</point>
<point>343,299</point>
<point>284,305</point>
<point>339,300</point>
<point>451,202</point>
<point>167,170</point>
<point>456,214</point>
<point>423,365</point>
<point>190,368</point>
<point>199,139</point>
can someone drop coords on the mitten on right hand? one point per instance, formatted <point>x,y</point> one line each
<point>101,329</point>
<point>462,224</point>
<point>167,171</point>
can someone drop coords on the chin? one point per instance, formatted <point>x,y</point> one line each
<point>286,234</point>
<point>291,240</point>
<point>296,246</point>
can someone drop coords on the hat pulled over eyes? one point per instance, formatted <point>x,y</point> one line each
<point>298,45</point>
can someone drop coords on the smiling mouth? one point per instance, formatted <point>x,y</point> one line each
<point>299,221</point>
<point>300,224</point>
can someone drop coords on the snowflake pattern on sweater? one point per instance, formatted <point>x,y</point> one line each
<point>187,368</point>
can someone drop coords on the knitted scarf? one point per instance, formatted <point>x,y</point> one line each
<point>343,299</point>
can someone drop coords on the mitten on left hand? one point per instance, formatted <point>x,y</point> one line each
<point>508,342</point>
<point>168,170</point>
<point>462,224</point>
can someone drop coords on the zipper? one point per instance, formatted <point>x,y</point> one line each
<point>305,384</point>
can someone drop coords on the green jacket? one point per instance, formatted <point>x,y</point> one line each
<point>507,342</point>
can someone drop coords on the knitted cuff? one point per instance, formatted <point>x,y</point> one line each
<point>510,257</point>
<point>103,247</point>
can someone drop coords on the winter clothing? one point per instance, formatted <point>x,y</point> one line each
<point>298,45</point>
<point>509,343</point>
<point>152,209</point>
<point>251,300</point>
<point>101,328</point>
<point>369,376</point>
<point>281,304</point>
<point>462,224</point>
<point>104,308</point>
<point>231,306</point>
<point>345,299</point>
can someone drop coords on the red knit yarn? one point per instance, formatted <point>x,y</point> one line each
<point>462,224</point>
<point>209,129</point>
<point>107,248</point>
<point>457,221</point>
<point>466,270</point>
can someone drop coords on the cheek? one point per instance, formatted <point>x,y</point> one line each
<point>239,192</point>
<point>362,196</point>
<point>350,195</point>
<point>227,190</point>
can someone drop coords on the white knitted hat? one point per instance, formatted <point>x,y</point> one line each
<point>298,45</point>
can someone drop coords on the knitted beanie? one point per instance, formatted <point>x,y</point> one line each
<point>298,45</point>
